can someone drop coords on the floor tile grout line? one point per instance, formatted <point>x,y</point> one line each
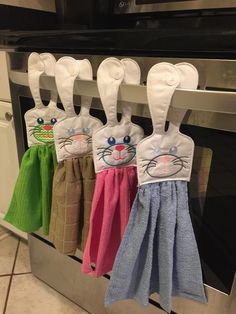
<point>5,275</point>
<point>11,277</point>
<point>20,274</point>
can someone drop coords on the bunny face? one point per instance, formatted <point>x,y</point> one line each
<point>73,136</point>
<point>165,157</point>
<point>40,122</point>
<point>115,146</point>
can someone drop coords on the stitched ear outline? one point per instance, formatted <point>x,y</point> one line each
<point>49,69</point>
<point>188,80</point>
<point>132,76</point>
<point>110,75</point>
<point>36,68</point>
<point>37,65</point>
<point>67,70</point>
<point>162,80</point>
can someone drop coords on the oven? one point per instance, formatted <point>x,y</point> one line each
<point>211,122</point>
<point>143,6</point>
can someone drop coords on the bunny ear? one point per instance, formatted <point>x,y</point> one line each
<point>85,73</point>
<point>132,76</point>
<point>162,80</point>
<point>49,63</point>
<point>188,80</point>
<point>49,69</point>
<point>66,71</point>
<point>109,77</point>
<point>35,70</point>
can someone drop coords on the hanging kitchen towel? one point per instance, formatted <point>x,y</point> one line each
<point>114,151</point>
<point>158,252</point>
<point>31,201</point>
<point>74,178</point>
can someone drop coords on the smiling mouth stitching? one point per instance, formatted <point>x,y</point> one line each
<point>120,158</point>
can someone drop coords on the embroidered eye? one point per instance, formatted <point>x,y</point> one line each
<point>111,140</point>
<point>85,130</point>
<point>40,121</point>
<point>126,139</point>
<point>71,131</point>
<point>173,150</point>
<point>53,120</point>
<point>157,151</point>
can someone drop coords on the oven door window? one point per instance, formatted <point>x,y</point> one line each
<point>212,192</point>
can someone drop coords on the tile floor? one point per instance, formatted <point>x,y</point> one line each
<point>20,291</point>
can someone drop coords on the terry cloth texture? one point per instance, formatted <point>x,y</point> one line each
<point>114,193</point>
<point>158,252</point>
<point>30,205</point>
<point>73,188</point>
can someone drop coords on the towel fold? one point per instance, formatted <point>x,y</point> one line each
<point>113,197</point>
<point>30,205</point>
<point>158,252</point>
<point>73,188</point>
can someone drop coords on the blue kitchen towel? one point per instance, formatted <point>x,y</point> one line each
<point>158,252</point>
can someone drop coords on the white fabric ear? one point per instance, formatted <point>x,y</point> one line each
<point>86,73</point>
<point>49,69</point>
<point>114,145</point>
<point>35,70</point>
<point>166,156</point>
<point>66,71</point>
<point>132,76</point>
<point>163,78</point>
<point>109,77</point>
<point>188,80</point>
<point>73,136</point>
<point>40,120</point>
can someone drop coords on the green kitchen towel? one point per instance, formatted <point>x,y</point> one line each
<point>30,206</point>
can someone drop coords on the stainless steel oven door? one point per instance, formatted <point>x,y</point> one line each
<point>143,6</point>
<point>212,200</point>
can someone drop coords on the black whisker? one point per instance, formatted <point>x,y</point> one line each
<point>149,165</point>
<point>150,160</point>
<point>131,149</point>
<point>103,148</point>
<point>180,157</point>
<point>65,144</point>
<point>104,156</point>
<point>178,164</point>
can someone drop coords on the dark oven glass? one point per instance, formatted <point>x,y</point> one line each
<point>213,202</point>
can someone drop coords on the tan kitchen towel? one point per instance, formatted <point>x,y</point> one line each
<point>73,187</point>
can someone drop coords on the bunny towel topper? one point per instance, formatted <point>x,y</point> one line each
<point>158,252</point>
<point>114,149</point>
<point>166,155</point>
<point>73,136</point>
<point>40,120</point>
<point>114,145</point>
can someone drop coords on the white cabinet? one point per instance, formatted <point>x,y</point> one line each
<point>9,166</point>
<point>4,83</point>
<point>8,156</point>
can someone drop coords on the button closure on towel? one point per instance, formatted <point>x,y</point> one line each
<point>117,74</point>
<point>171,80</point>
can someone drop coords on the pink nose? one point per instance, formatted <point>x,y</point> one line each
<point>47,127</point>
<point>165,159</point>
<point>120,147</point>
